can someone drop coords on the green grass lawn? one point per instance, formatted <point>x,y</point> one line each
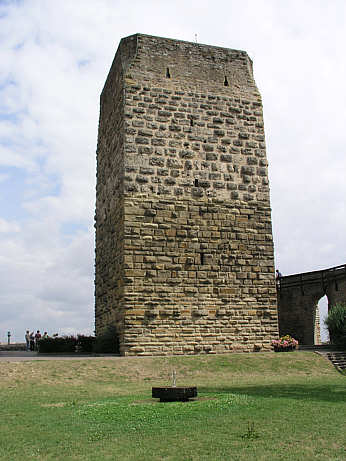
<point>250,407</point>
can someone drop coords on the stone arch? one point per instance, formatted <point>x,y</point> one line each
<point>298,297</point>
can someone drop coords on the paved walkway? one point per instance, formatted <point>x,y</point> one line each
<point>22,356</point>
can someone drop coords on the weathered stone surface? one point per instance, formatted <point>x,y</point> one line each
<point>183,224</point>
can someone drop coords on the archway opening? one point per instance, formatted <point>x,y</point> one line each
<point>322,309</point>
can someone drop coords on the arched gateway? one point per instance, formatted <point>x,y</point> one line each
<point>298,297</point>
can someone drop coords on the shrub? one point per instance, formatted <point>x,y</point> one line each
<point>58,344</point>
<point>336,323</point>
<point>107,342</point>
<point>85,343</point>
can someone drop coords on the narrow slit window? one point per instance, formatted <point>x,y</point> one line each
<point>202,258</point>
<point>191,121</point>
<point>225,81</point>
<point>168,75</point>
<point>196,182</point>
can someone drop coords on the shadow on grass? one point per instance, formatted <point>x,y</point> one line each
<point>322,393</point>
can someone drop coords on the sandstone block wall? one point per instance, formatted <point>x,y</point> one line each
<point>184,252</point>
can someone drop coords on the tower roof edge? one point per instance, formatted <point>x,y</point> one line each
<point>159,38</point>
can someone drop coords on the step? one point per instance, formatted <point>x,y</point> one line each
<point>337,358</point>
<point>316,347</point>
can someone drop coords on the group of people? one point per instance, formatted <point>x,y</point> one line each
<point>32,339</point>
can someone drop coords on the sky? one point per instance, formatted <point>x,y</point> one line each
<point>55,57</point>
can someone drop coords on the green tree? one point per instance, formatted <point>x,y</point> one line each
<point>336,323</point>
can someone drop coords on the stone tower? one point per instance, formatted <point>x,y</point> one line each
<point>184,250</point>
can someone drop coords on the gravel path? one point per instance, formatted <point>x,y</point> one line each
<point>19,356</point>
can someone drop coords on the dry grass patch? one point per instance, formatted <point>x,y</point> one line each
<point>159,369</point>
<point>83,410</point>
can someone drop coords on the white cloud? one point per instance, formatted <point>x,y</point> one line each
<point>55,58</point>
<point>8,227</point>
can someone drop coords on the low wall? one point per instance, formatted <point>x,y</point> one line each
<point>13,347</point>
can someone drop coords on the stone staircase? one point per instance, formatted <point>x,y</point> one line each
<point>338,358</point>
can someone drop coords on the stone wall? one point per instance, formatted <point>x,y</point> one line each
<point>298,297</point>
<point>184,253</point>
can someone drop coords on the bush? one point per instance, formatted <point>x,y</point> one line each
<point>85,343</point>
<point>62,344</point>
<point>107,342</point>
<point>336,323</point>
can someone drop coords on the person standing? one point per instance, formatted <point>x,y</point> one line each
<point>32,341</point>
<point>37,339</point>
<point>278,274</point>
<point>27,340</point>
<point>278,278</point>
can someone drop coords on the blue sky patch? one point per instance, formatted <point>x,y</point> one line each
<point>17,186</point>
<point>12,191</point>
<point>70,228</point>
